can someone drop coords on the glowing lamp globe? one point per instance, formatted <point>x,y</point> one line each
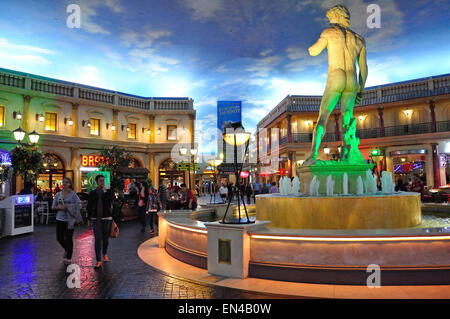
<point>236,135</point>
<point>19,134</point>
<point>34,137</point>
<point>215,162</point>
<point>375,152</point>
<point>183,151</point>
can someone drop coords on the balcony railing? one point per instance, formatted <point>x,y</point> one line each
<point>398,130</point>
<point>55,87</point>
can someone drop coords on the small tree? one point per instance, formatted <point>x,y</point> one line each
<point>115,158</point>
<point>26,162</point>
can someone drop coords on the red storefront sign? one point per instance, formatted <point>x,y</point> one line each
<point>92,160</point>
<point>244,174</point>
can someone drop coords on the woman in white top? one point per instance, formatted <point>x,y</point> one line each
<point>223,191</point>
<point>67,204</point>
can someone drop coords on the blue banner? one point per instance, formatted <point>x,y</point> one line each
<point>228,112</point>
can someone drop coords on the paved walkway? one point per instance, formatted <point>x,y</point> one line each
<point>31,267</point>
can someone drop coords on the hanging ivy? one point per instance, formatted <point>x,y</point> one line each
<point>26,162</point>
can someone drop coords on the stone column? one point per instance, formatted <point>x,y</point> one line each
<point>192,127</point>
<point>151,125</point>
<point>27,117</point>
<point>270,140</point>
<point>432,116</point>
<point>291,164</point>
<point>116,125</point>
<point>74,118</point>
<point>380,115</point>
<point>336,127</point>
<point>289,128</point>
<point>151,168</point>
<point>436,165</point>
<point>75,166</point>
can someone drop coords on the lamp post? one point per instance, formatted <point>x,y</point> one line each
<point>19,136</point>
<point>376,156</point>
<point>193,152</point>
<point>237,136</point>
<point>214,163</point>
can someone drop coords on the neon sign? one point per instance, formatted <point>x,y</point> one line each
<point>23,200</point>
<point>5,158</point>
<point>92,160</point>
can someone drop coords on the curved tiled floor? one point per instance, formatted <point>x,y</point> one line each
<point>31,267</point>
<point>159,259</point>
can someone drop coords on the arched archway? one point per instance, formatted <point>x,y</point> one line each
<point>168,173</point>
<point>52,172</point>
<point>136,162</point>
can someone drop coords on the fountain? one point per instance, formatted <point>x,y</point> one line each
<point>340,224</point>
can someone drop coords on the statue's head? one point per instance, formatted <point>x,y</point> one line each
<point>340,15</point>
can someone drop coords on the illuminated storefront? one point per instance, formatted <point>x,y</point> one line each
<point>52,173</point>
<point>168,173</point>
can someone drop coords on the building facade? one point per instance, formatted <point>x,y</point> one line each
<point>76,121</point>
<point>409,122</point>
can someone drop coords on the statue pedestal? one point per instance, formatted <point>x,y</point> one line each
<point>306,174</point>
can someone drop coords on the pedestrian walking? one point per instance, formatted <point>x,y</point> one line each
<point>248,192</point>
<point>154,205</point>
<point>256,189</point>
<point>223,191</point>
<point>67,206</point>
<point>162,190</point>
<point>230,191</point>
<point>142,204</point>
<point>100,215</point>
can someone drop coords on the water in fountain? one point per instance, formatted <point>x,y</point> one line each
<point>314,187</point>
<point>284,187</point>
<point>370,183</point>
<point>289,190</point>
<point>359,186</point>
<point>296,186</point>
<point>387,184</point>
<point>345,184</point>
<point>330,186</point>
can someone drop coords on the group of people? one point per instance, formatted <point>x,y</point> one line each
<point>67,205</point>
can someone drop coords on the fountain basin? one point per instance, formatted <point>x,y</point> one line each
<point>398,210</point>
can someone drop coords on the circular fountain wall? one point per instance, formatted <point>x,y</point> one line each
<point>398,210</point>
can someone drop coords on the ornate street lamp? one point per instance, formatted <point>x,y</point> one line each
<point>214,163</point>
<point>237,136</point>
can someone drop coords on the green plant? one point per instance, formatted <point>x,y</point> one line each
<point>115,158</point>
<point>26,162</point>
<point>5,173</point>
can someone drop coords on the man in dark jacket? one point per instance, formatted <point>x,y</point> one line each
<point>100,212</point>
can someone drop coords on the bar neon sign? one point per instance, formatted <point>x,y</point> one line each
<point>92,160</point>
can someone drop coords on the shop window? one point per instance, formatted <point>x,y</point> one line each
<point>132,131</point>
<point>50,121</point>
<point>2,115</point>
<point>95,127</point>
<point>171,132</point>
